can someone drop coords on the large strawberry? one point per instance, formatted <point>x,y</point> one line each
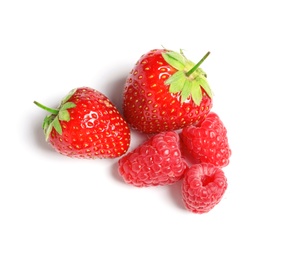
<point>86,125</point>
<point>166,91</point>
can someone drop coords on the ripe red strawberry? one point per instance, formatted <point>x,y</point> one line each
<point>203,187</point>
<point>157,161</point>
<point>86,125</point>
<point>208,142</point>
<point>165,91</point>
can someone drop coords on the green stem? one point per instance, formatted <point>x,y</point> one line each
<point>196,66</point>
<point>50,110</point>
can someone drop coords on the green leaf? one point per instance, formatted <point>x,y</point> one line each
<point>174,59</point>
<point>64,115</point>
<point>204,84</point>
<point>196,93</point>
<point>186,91</point>
<point>175,77</point>
<point>68,105</point>
<point>69,95</point>
<point>177,85</point>
<point>46,122</point>
<point>48,131</point>
<point>176,81</point>
<point>57,126</point>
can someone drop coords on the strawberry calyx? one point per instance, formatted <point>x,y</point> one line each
<point>189,80</point>
<point>56,115</point>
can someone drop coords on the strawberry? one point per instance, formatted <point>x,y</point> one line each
<point>165,91</point>
<point>208,142</point>
<point>157,161</point>
<point>203,187</point>
<point>86,125</point>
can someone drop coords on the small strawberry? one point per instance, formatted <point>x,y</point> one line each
<point>203,187</point>
<point>165,91</point>
<point>208,142</point>
<point>157,161</point>
<point>86,125</point>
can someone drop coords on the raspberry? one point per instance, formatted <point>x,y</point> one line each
<point>203,187</point>
<point>208,142</point>
<point>157,161</point>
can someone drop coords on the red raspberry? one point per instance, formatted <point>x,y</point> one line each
<point>203,187</point>
<point>157,161</point>
<point>208,142</point>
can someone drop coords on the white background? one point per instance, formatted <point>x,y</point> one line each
<point>53,207</point>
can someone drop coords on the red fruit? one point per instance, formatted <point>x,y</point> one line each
<point>86,125</point>
<point>208,142</point>
<point>203,187</point>
<point>165,91</point>
<point>157,161</point>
